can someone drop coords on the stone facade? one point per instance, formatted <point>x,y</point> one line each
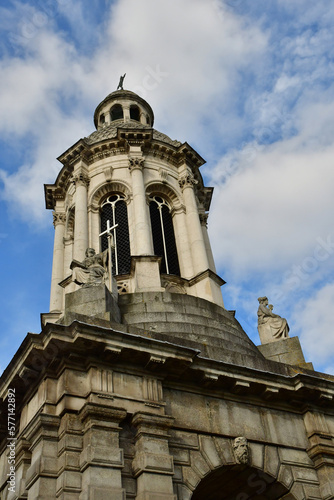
<point>157,394</point>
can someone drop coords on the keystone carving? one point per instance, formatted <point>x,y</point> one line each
<point>241,451</point>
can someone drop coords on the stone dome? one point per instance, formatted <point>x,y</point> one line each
<point>123,105</point>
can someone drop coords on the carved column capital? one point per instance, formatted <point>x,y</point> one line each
<point>80,179</point>
<point>136,163</point>
<point>204,219</point>
<point>58,218</point>
<point>187,179</point>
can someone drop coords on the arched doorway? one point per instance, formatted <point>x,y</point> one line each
<point>239,482</point>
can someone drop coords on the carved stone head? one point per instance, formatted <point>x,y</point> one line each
<point>240,448</point>
<point>90,252</point>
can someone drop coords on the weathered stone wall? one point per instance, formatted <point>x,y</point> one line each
<point>101,433</point>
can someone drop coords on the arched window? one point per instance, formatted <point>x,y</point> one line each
<point>115,210</point>
<point>134,113</point>
<point>163,235</point>
<point>102,119</point>
<point>116,112</point>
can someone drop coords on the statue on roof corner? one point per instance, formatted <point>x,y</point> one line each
<point>271,327</point>
<point>121,80</point>
<point>92,270</point>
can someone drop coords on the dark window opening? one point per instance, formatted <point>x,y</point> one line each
<point>102,119</point>
<point>116,112</point>
<point>134,113</point>
<point>115,210</point>
<point>163,236</point>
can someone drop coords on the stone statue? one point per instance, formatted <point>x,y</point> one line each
<point>271,327</point>
<point>91,271</point>
<point>240,448</point>
<point>121,80</point>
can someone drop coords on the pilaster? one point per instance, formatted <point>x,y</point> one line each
<point>321,450</point>
<point>101,459</point>
<point>153,465</point>
<point>69,449</point>
<point>23,461</point>
<point>42,474</point>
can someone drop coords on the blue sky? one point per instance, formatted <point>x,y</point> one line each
<point>248,84</point>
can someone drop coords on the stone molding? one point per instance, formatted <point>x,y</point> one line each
<point>102,414</point>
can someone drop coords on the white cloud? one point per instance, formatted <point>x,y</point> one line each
<point>274,201</point>
<point>314,319</point>
<point>47,92</point>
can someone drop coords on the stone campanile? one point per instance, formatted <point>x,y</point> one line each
<point>141,385</point>
<point>151,187</point>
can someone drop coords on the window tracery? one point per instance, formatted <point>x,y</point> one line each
<point>114,209</point>
<point>163,235</point>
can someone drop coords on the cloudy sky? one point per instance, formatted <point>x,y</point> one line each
<point>249,84</point>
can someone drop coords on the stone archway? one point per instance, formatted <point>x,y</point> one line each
<point>240,482</point>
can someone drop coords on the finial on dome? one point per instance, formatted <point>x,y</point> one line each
<point>121,80</point>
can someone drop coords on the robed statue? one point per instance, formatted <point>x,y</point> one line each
<point>92,270</point>
<point>271,327</point>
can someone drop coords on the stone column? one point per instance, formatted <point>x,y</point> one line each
<point>182,241</point>
<point>153,465</point>
<point>81,182</point>
<point>197,245</point>
<point>56,296</point>
<point>101,459</point>
<point>204,223</point>
<point>68,254</point>
<point>42,473</point>
<point>142,228</point>
<point>126,112</point>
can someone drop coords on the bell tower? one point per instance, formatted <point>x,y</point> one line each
<point>141,385</point>
<point>148,186</point>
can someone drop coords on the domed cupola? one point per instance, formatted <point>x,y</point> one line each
<point>123,106</point>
